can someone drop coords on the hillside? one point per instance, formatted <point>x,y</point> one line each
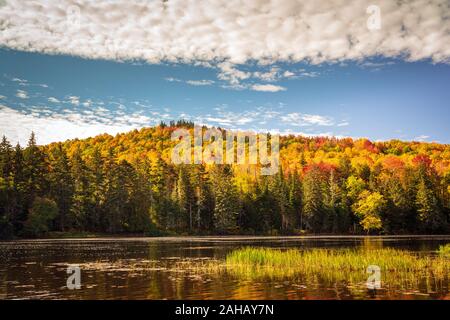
<point>127,184</point>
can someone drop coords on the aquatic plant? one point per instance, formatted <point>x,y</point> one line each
<point>398,267</point>
<point>444,250</point>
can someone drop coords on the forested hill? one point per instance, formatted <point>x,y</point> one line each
<point>127,184</point>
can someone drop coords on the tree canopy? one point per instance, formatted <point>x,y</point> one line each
<point>127,184</point>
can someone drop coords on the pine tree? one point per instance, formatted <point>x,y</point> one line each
<point>278,187</point>
<point>227,205</point>
<point>97,190</point>
<point>19,186</point>
<point>35,171</point>
<point>295,198</point>
<point>81,201</point>
<point>314,188</point>
<point>61,185</point>
<point>429,211</point>
<point>7,194</point>
<point>186,200</point>
<point>205,199</point>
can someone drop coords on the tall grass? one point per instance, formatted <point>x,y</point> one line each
<point>334,264</point>
<point>444,250</point>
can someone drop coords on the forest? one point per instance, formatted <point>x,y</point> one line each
<point>127,185</point>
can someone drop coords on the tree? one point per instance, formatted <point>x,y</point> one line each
<point>7,194</point>
<point>95,167</point>
<point>205,199</point>
<point>61,185</point>
<point>314,189</point>
<point>127,183</point>
<point>278,187</point>
<point>81,199</point>
<point>369,209</point>
<point>35,171</point>
<point>186,199</point>
<point>227,206</point>
<point>19,214</point>
<point>429,211</point>
<point>42,212</point>
<point>336,202</point>
<point>295,198</point>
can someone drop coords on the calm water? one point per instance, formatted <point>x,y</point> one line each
<point>149,268</point>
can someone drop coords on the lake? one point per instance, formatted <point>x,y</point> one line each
<point>161,268</point>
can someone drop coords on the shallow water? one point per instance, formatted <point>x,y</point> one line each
<point>152,268</point>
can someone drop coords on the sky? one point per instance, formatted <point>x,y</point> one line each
<point>74,69</point>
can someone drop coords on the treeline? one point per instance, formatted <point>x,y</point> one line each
<point>126,184</point>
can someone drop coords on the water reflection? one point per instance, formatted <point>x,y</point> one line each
<point>152,269</point>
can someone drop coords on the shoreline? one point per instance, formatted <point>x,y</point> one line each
<point>233,238</point>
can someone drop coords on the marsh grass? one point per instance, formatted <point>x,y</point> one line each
<point>444,250</point>
<point>398,268</point>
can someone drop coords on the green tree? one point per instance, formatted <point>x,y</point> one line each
<point>7,194</point>
<point>227,205</point>
<point>314,189</point>
<point>429,211</point>
<point>35,171</point>
<point>42,213</point>
<point>80,207</point>
<point>205,199</point>
<point>61,185</point>
<point>186,199</point>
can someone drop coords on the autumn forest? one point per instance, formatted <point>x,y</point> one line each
<point>126,184</point>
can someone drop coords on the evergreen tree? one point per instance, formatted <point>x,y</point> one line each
<point>295,199</point>
<point>35,170</point>
<point>7,194</point>
<point>205,199</point>
<point>61,185</point>
<point>314,189</point>
<point>227,205</point>
<point>81,199</point>
<point>429,211</point>
<point>186,200</point>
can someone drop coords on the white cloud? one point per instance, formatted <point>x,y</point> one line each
<point>343,124</point>
<point>422,138</point>
<point>267,88</point>
<point>312,74</point>
<point>51,129</point>
<point>87,103</point>
<point>271,75</point>
<point>301,120</point>
<point>51,126</point>
<point>237,31</point>
<point>22,82</point>
<point>288,74</point>
<point>228,72</point>
<point>200,82</point>
<point>22,94</point>
<point>74,100</point>
<point>170,79</point>
<point>26,83</point>
<point>53,99</point>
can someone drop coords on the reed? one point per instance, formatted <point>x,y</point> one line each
<point>444,250</point>
<point>332,264</point>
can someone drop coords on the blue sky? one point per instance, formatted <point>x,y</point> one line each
<point>378,98</point>
<point>74,68</point>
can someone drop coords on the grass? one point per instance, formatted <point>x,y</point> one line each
<point>397,266</point>
<point>444,250</point>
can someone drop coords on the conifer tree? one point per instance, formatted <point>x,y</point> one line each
<point>227,205</point>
